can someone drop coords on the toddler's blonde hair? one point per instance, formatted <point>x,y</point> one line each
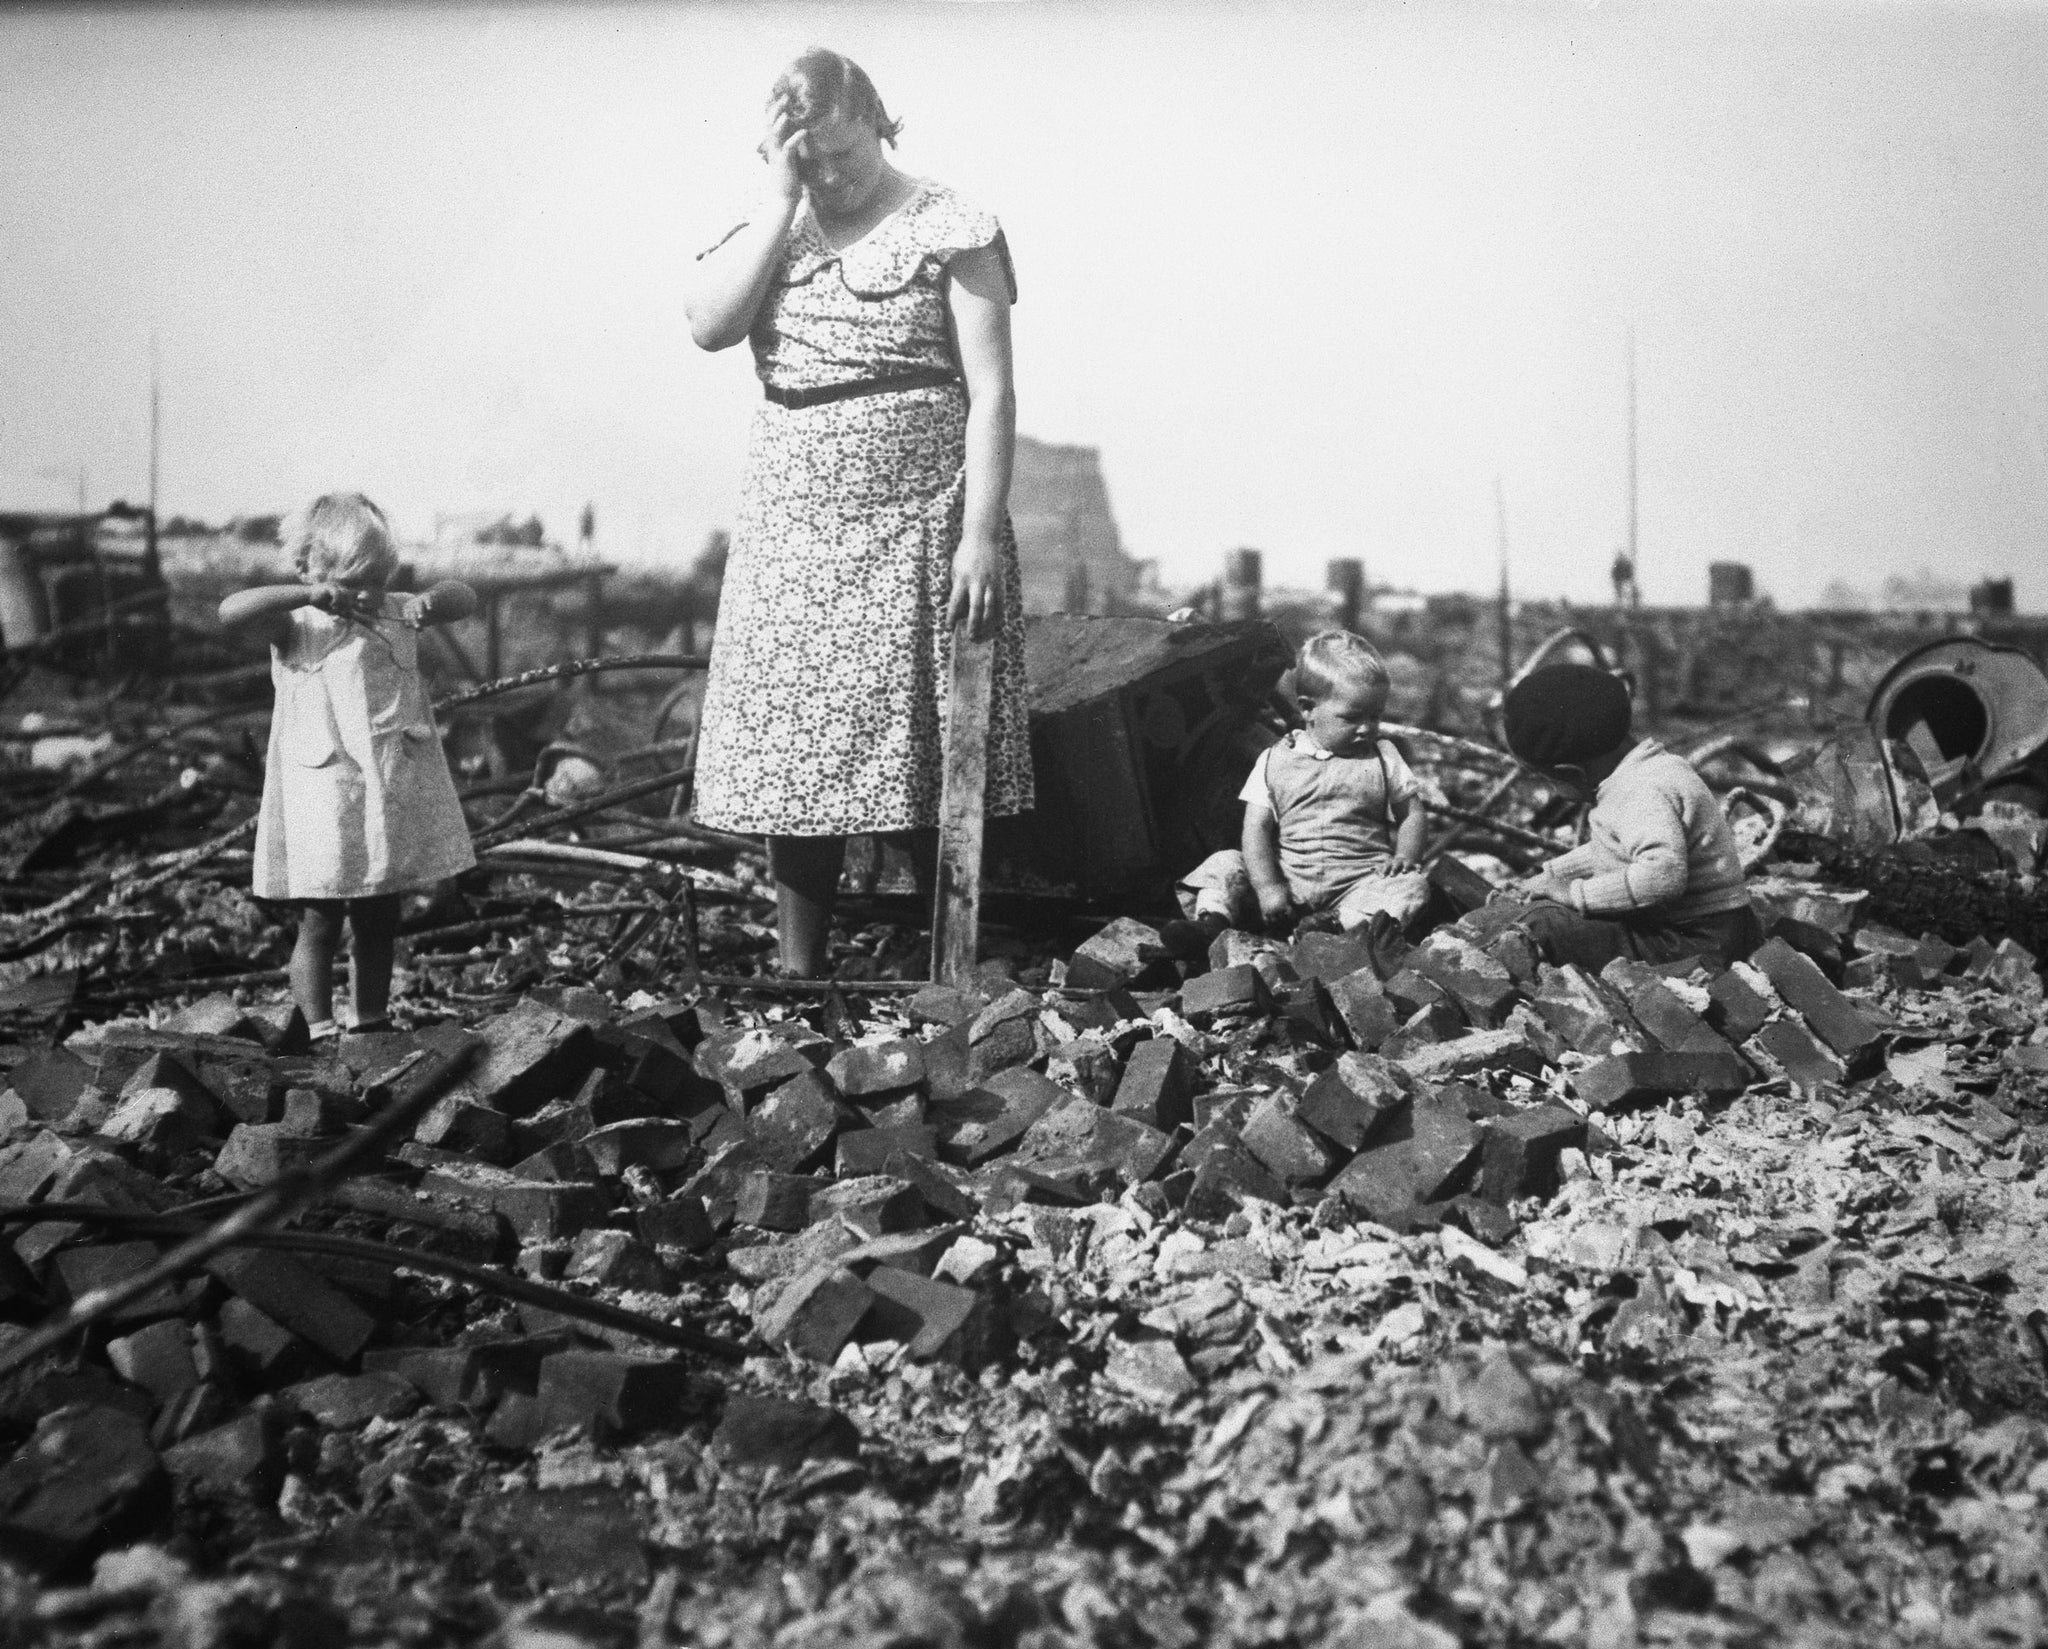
<point>341,538</point>
<point>1334,656</point>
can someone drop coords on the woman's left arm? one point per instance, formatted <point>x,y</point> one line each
<point>978,294</point>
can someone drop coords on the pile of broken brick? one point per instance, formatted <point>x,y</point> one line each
<point>815,1180</point>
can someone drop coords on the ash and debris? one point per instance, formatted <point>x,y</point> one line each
<point>1297,1293</point>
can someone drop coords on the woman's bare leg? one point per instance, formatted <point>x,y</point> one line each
<point>806,871</point>
<point>312,967</point>
<point>373,941</point>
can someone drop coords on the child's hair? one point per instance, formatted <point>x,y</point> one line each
<point>1335,656</point>
<point>1566,714</point>
<point>822,83</point>
<point>341,538</point>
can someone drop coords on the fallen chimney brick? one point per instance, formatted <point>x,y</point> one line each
<point>1158,1084</point>
<point>1627,1080</point>
<point>1331,956</point>
<point>1519,1150</point>
<point>872,1070</point>
<point>657,1143</point>
<point>1508,1049</point>
<point>297,1299</point>
<point>937,1321</point>
<point>262,1153</point>
<point>245,1454</point>
<point>157,1358</point>
<point>1479,985</point>
<point>86,1476</point>
<point>1353,1099</point>
<point>1410,991</point>
<point>77,1272</point>
<point>49,1082</point>
<point>774,1201</point>
<point>1658,1010</point>
<point>1307,1006</point>
<point>1088,1065</point>
<point>1809,1063</point>
<point>994,1116</point>
<point>458,1122</point>
<point>616,1394</point>
<point>817,1313</point>
<point>1227,1177</point>
<point>874,1205</point>
<point>868,1150</point>
<point>1427,1026</point>
<point>1223,991</point>
<point>528,1055</point>
<point>792,1127</point>
<point>162,1119</point>
<point>1295,1154</point>
<point>680,1222</point>
<point>1832,1016</point>
<point>948,1192</point>
<point>343,1402</point>
<point>1127,952</point>
<point>1362,1003</point>
<point>749,1061</point>
<point>918,1251</point>
<point>1590,1016</point>
<point>777,1432</point>
<point>616,1259</point>
<point>1735,1009</point>
<point>945,1005</point>
<point>1428,1160</point>
<point>549,1210</point>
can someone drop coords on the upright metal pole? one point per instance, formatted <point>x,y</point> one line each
<point>1505,617</point>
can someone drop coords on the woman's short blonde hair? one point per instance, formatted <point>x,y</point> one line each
<point>1334,656</point>
<point>341,538</point>
<point>822,83</point>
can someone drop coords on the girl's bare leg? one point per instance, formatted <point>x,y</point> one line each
<point>806,871</point>
<point>312,966</point>
<point>373,934</point>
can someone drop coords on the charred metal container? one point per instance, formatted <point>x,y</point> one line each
<point>1975,714</point>
<point>1142,732</point>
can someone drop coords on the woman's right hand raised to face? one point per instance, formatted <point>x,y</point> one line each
<point>785,149</point>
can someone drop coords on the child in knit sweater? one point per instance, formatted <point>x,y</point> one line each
<point>1658,876</point>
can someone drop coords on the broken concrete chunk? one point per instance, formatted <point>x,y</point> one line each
<point>1151,1370</point>
<point>1627,1080</point>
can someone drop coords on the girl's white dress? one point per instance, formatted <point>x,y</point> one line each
<point>357,797</point>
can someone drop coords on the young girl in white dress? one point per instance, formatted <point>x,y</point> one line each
<point>358,804</point>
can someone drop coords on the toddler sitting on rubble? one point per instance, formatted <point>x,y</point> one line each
<point>358,804</point>
<point>1658,877</point>
<point>1333,820</point>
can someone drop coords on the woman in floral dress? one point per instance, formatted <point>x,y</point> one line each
<point>874,519</point>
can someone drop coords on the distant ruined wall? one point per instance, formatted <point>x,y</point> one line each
<point>1073,560</point>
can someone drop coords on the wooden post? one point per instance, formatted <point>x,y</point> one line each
<point>956,904</point>
<point>494,651</point>
<point>1346,581</point>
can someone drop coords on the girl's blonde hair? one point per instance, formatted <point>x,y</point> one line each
<point>1334,656</point>
<point>341,538</point>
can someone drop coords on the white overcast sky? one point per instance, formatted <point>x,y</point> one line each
<point>1311,276</point>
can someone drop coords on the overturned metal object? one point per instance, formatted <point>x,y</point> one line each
<point>1142,731</point>
<point>1973,713</point>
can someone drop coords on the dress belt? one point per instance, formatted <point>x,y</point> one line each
<point>929,378</point>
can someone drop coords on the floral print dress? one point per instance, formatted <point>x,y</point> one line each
<point>825,704</point>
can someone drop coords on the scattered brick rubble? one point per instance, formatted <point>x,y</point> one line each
<point>1296,1296</point>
